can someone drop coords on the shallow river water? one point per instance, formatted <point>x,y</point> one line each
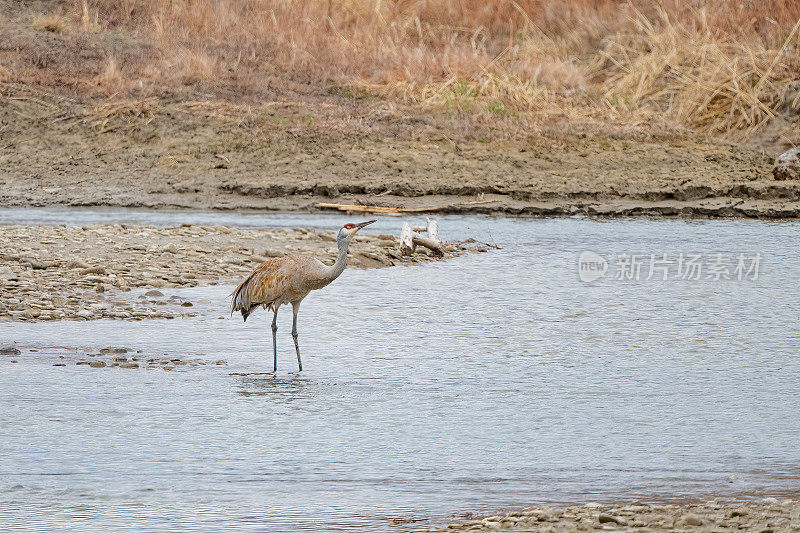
<point>478,384</point>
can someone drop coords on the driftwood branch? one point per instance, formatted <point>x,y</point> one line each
<point>407,240</point>
<point>410,239</point>
<point>394,210</point>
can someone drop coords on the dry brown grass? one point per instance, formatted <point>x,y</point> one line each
<point>719,66</point>
<point>711,80</point>
<point>53,23</point>
<point>111,78</point>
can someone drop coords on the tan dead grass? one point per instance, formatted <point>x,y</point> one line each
<point>111,77</point>
<point>52,23</point>
<point>121,114</point>
<point>717,66</point>
<point>708,80</point>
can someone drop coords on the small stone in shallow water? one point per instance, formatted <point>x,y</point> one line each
<point>9,350</point>
<point>187,304</point>
<point>129,365</point>
<point>97,364</point>
<point>114,349</point>
<point>59,364</point>
<point>154,294</point>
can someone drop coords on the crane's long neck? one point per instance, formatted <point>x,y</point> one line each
<point>335,270</point>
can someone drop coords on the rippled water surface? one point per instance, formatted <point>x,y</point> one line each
<point>486,382</point>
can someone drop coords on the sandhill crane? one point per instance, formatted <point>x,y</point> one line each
<point>289,279</point>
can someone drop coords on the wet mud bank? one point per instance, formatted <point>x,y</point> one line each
<point>191,159</point>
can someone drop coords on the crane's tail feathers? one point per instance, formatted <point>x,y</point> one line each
<point>241,300</point>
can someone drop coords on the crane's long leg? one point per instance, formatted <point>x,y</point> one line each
<point>274,341</point>
<point>295,308</point>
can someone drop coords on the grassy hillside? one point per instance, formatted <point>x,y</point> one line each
<point>726,68</point>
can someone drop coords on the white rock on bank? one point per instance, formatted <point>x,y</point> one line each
<point>787,167</point>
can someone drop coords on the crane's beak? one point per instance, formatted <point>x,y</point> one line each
<point>367,223</point>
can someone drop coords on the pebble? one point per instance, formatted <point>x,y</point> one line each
<point>35,265</point>
<point>97,364</point>
<point>114,349</point>
<point>604,518</point>
<point>9,350</point>
<point>129,365</point>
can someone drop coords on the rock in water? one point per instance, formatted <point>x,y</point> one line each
<point>9,350</point>
<point>113,349</point>
<point>787,167</point>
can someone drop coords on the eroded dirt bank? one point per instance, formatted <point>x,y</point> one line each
<point>767,516</point>
<point>291,156</point>
<point>58,272</point>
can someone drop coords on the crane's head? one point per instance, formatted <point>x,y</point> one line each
<point>349,229</point>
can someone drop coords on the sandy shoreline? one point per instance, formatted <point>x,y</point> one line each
<point>60,272</point>
<point>769,515</point>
